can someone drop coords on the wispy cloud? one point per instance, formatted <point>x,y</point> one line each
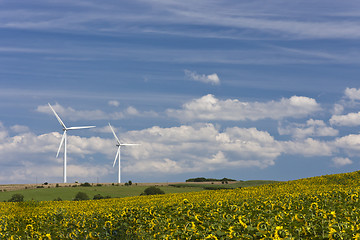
<point>75,115</point>
<point>212,78</point>
<point>114,103</point>
<point>287,21</point>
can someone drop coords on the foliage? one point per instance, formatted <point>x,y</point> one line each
<point>85,184</point>
<point>16,198</point>
<point>152,191</point>
<point>99,196</point>
<point>81,196</point>
<point>326,207</point>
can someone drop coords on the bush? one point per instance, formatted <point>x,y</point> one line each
<point>58,199</point>
<point>152,191</point>
<point>85,184</point>
<point>16,198</point>
<point>99,196</point>
<point>81,196</point>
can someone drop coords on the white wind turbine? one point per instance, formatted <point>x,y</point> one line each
<point>64,137</point>
<point>119,145</point>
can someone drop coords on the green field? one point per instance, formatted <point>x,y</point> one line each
<point>68,193</point>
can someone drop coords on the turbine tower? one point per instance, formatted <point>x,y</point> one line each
<point>119,145</point>
<point>64,137</point>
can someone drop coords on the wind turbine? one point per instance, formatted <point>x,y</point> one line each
<point>64,137</point>
<point>119,145</point>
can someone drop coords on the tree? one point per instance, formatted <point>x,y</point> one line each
<point>81,196</point>
<point>99,196</point>
<point>16,198</point>
<point>85,184</point>
<point>152,191</point>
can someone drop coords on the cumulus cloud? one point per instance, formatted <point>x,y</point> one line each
<point>352,93</point>
<point>26,155</point>
<point>350,144</point>
<point>312,128</point>
<point>212,78</point>
<point>210,108</point>
<point>202,147</point>
<point>308,147</point>
<point>174,150</point>
<point>350,119</point>
<point>340,161</point>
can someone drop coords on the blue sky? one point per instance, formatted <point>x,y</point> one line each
<point>237,89</point>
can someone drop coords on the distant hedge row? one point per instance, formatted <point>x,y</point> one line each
<point>202,179</point>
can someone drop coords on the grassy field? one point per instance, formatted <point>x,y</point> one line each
<point>68,193</point>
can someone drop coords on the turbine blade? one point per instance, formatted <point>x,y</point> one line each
<point>116,157</point>
<point>62,140</point>
<point>114,134</point>
<point>129,144</point>
<point>57,116</point>
<point>82,127</point>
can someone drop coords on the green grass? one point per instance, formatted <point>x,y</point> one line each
<point>68,193</point>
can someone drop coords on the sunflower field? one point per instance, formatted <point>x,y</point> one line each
<point>325,207</point>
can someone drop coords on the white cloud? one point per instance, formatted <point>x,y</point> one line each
<point>202,147</point>
<point>352,93</point>
<point>285,20</point>
<point>338,109</point>
<point>114,103</point>
<point>350,119</point>
<point>210,108</point>
<point>313,128</point>
<point>212,78</point>
<point>3,131</point>
<point>75,115</point>
<point>72,114</point>
<point>308,147</point>
<point>132,111</point>
<point>174,150</point>
<point>350,144</point>
<point>20,128</point>
<point>340,161</point>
